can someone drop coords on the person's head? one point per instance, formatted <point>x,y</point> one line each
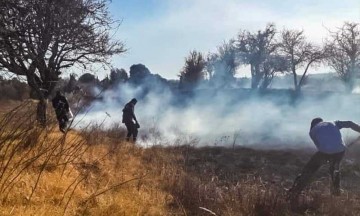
<point>315,121</point>
<point>133,101</point>
<point>58,93</point>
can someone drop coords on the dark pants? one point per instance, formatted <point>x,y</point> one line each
<point>62,118</point>
<point>316,161</point>
<point>132,130</point>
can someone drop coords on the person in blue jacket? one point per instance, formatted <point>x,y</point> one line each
<point>331,148</point>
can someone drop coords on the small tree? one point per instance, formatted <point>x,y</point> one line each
<point>118,76</point>
<point>343,53</point>
<point>39,39</point>
<point>71,84</point>
<point>222,65</point>
<point>87,78</point>
<point>254,49</point>
<point>139,74</point>
<point>300,54</point>
<point>193,71</point>
<point>272,65</point>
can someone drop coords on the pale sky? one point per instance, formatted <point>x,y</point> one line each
<point>161,33</point>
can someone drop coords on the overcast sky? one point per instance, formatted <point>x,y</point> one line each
<point>161,33</point>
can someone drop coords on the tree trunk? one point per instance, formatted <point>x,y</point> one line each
<point>349,85</point>
<point>41,112</point>
<point>297,89</point>
<point>295,80</point>
<point>254,83</point>
<point>267,79</point>
<point>255,77</point>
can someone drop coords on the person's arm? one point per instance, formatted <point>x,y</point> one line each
<point>313,138</point>
<point>133,114</point>
<point>348,124</point>
<point>131,108</point>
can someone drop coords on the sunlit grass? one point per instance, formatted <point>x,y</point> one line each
<point>95,172</point>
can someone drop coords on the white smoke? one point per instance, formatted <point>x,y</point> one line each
<point>217,117</point>
<point>356,90</point>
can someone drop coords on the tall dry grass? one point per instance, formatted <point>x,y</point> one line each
<point>224,181</point>
<point>93,171</point>
<point>88,172</point>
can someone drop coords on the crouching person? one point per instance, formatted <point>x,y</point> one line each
<point>328,141</point>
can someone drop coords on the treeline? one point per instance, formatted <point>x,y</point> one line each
<point>13,89</point>
<point>270,52</point>
<point>138,76</point>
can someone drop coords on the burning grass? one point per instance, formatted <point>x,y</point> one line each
<point>94,172</point>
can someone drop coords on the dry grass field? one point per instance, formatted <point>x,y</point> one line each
<point>95,172</point>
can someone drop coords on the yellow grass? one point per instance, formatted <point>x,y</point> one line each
<point>100,168</point>
<point>100,179</point>
<point>95,172</point>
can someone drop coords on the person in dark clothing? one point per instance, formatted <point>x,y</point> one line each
<point>62,108</point>
<point>331,148</point>
<point>128,117</point>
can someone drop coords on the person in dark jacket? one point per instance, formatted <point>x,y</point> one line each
<point>128,117</point>
<point>62,108</point>
<point>331,148</point>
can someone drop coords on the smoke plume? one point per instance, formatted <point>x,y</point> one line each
<point>225,117</point>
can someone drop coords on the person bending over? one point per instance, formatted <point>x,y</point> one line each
<point>331,148</point>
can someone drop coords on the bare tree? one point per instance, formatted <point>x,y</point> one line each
<point>222,65</point>
<point>71,83</point>
<point>300,54</point>
<point>272,65</point>
<point>343,52</point>
<point>254,49</point>
<point>193,71</point>
<point>40,38</point>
